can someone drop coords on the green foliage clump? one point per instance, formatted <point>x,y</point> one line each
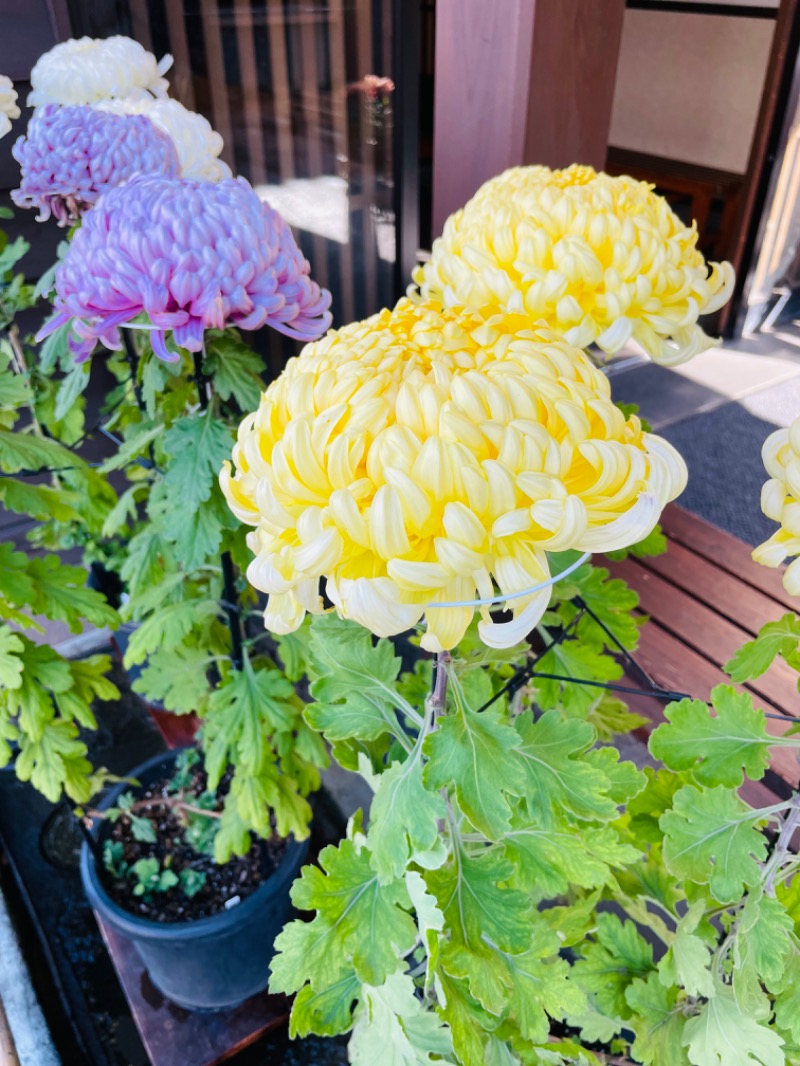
<point>152,513</point>
<point>523,895</point>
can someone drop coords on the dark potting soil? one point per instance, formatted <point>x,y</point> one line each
<point>225,885</point>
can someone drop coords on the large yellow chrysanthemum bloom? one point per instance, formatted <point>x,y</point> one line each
<point>598,258</point>
<point>424,457</point>
<point>780,501</point>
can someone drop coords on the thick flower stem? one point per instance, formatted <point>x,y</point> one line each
<point>437,701</point>
<point>790,825</point>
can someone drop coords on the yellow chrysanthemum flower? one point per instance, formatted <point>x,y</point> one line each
<point>780,501</point>
<point>425,457</point>
<point>600,259</point>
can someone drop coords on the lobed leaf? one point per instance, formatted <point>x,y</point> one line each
<point>711,837</point>
<point>718,749</point>
<point>360,925</point>
<point>756,656</point>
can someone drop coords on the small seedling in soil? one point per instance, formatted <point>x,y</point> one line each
<point>151,878</point>
<point>158,859</point>
<point>142,828</point>
<point>192,881</point>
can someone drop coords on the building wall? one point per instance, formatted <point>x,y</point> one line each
<point>688,86</point>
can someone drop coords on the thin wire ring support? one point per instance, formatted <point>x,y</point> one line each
<point>507,597</point>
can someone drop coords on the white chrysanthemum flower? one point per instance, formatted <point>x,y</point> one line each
<point>198,145</point>
<point>87,70</point>
<point>8,104</point>
<point>780,501</point>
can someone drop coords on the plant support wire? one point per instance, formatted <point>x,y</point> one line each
<point>529,672</point>
<point>650,687</point>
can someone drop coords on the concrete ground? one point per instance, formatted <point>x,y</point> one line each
<point>717,410</point>
<point>32,1043</point>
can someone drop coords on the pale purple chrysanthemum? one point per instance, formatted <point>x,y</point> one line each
<point>71,155</point>
<point>191,256</point>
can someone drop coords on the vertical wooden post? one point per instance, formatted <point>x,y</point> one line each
<point>572,74</point>
<point>180,75</point>
<point>140,24</point>
<point>338,62</point>
<point>519,81</point>
<point>763,151</point>
<point>281,96</point>
<point>251,91</point>
<point>406,29</point>
<point>366,65</point>
<point>218,81</point>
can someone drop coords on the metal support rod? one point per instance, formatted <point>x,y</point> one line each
<point>230,593</point>
<point>132,356</point>
<point>521,676</point>
<point>609,686</point>
<point>640,670</point>
<point>201,380</point>
<point>232,609</point>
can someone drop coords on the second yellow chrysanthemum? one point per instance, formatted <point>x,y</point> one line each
<point>425,457</point>
<point>601,259</point>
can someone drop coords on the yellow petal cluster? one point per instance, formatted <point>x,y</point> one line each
<point>426,457</point>
<point>601,259</point>
<point>780,501</point>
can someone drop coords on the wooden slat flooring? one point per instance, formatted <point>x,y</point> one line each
<point>704,598</point>
<point>177,1037</point>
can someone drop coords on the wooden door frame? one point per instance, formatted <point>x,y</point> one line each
<point>763,153</point>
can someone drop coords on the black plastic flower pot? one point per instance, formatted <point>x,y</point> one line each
<point>211,963</point>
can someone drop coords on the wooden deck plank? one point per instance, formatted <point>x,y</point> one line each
<point>725,551</point>
<point>676,666</point>
<point>709,633</point>
<point>705,597</point>
<point>740,603</point>
<point>177,1037</point>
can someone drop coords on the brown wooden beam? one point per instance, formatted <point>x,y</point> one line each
<point>572,74</point>
<point>766,140</point>
<point>8,1049</point>
<point>180,74</point>
<point>519,81</point>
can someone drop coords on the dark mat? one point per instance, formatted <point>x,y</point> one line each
<point>723,452</point>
